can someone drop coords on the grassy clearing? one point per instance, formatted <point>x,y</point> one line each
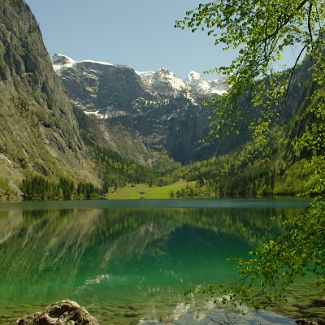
<point>144,191</point>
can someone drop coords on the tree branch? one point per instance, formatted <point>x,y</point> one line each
<point>305,238</point>
<point>287,19</point>
<point>293,70</point>
<point>309,23</point>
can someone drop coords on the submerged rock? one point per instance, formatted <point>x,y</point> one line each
<point>60,313</point>
<point>306,322</point>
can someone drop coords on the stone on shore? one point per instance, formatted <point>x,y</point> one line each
<point>64,312</point>
<point>306,322</point>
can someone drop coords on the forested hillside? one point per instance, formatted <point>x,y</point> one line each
<point>272,163</point>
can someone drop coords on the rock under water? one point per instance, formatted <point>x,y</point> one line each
<point>60,313</point>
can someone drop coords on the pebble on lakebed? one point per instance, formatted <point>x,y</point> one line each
<point>60,313</point>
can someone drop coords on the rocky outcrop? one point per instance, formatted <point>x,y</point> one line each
<point>59,313</point>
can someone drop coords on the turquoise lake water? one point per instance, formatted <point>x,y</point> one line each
<point>130,262</point>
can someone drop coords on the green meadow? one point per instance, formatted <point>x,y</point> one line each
<point>144,191</point>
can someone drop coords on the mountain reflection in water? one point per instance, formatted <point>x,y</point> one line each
<point>126,265</point>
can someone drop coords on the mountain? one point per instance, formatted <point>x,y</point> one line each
<point>38,130</point>
<point>200,86</point>
<point>164,83</point>
<point>158,113</point>
<point>107,87</point>
<point>99,86</point>
<point>287,159</point>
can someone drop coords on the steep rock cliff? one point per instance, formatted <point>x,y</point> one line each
<point>38,130</point>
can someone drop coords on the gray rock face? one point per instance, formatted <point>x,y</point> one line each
<point>38,130</point>
<point>103,86</point>
<point>59,313</point>
<point>160,112</point>
<point>99,85</point>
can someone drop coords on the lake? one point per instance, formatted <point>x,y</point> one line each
<point>130,262</point>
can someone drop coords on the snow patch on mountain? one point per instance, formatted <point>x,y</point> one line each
<point>163,82</point>
<point>200,85</point>
<point>95,62</point>
<point>145,75</point>
<point>164,75</point>
<point>167,83</point>
<point>61,61</point>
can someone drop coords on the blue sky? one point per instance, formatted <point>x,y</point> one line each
<point>138,33</point>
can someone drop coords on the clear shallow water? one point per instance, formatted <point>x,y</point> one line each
<point>130,262</point>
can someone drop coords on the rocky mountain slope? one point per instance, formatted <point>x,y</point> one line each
<point>144,115</point>
<point>38,130</point>
<point>155,112</point>
<point>108,118</point>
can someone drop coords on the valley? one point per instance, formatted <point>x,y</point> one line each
<point>110,126</point>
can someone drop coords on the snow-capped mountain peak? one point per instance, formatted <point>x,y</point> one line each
<point>200,85</point>
<point>162,82</point>
<point>166,72</point>
<point>193,75</point>
<point>61,61</point>
<point>169,78</point>
<point>166,82</point>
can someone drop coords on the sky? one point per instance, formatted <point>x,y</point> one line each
<point>137,33</point>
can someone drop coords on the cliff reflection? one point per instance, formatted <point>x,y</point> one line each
<point>59,253</point>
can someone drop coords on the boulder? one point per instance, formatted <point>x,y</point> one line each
<point>305,322</point>
<point>64,312</point>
